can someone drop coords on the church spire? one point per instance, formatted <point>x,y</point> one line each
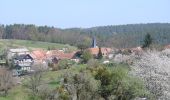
<point>93,42</point>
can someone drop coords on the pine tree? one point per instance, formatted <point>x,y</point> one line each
<point>147,41</point>
<point>100,56</point>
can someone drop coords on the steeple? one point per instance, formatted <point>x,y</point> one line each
<point>93,42</point>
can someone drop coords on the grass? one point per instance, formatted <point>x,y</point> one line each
<point>54,84</point>
<point>4,43</point>
<point>16,93</point>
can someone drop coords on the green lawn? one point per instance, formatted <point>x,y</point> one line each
<point>32,44</point>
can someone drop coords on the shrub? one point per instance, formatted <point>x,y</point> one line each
<point>64,64</point>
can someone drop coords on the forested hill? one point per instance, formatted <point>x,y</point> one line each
<point>120,36</point>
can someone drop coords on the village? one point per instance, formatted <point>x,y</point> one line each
<point>22,64</point>
<point>23,61</point>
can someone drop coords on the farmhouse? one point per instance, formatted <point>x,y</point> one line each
<point>25,61</point>
<point>22,63</point>
<point>56,55</point>
<point>39,56</point>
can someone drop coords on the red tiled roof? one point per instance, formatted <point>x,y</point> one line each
<point>67,55</point>
<point>60,54</point>
<point>38,54</point>
<point>95,51</point>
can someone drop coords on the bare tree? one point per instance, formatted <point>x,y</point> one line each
<point>44,93</point>
<point>38,88</point>
<point>6,81</point>
<point>34,82</point>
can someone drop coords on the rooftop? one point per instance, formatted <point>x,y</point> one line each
<point>19,50</point>
<point>24,56</point>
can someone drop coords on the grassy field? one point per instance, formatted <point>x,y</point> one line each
<point>5,43</point>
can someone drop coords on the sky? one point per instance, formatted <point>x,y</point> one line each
<point>83,13</point>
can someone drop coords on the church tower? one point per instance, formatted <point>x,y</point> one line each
<point>93,43</point>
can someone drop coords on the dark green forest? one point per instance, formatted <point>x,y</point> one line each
<point>120,36</point>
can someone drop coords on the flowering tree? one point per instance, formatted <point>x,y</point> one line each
<point>154,68</point>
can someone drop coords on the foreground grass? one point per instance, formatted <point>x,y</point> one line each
<point>16,93</point>
<point>5,43</point>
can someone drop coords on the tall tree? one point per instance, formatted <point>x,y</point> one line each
<point>147,41</point>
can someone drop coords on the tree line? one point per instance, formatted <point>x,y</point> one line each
<point>120,36</point>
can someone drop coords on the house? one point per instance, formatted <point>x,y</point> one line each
<point>39,56</point>
<point>17,51</point>
<point>55,55</point>
<point>23,62</point>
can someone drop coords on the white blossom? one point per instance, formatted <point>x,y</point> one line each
<point>154,68</point>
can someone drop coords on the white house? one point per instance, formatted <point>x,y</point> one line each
<point>24,62</point>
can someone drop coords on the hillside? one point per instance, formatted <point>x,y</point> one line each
<point>5,43</point>
<point>120,36</point>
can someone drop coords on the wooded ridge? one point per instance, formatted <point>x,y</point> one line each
<point>120,36</point>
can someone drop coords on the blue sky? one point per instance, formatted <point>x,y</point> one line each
<point>83,13</point>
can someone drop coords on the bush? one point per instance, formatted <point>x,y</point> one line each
<point>65,64</point>
<point>93,63</point>
<point>79,86</point>
<point>115,81</point>
<point>86,56</point>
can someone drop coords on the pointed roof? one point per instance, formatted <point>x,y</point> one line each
<point>94,43</point>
